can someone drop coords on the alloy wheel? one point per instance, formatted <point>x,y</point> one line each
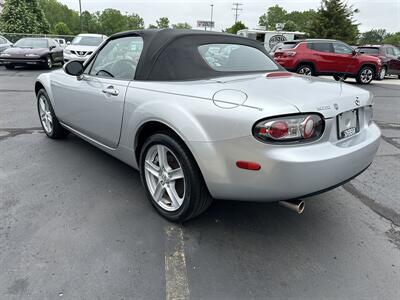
<point>366,75</point>
<point>45,115</point>
<point>164,177</point>
<point>382,74</point>
<point>305,71</point>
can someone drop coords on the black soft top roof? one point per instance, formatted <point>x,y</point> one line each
<point>173,54</point>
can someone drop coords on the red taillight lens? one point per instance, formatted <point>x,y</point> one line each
<point>293,128</point>
<point>290,53</point>
<point>278,129</point>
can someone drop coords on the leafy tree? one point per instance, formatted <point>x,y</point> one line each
<point>236,27</point>
<point>23,16</point>
<point>334,20</point>
<point>62,29</point>
<point>294,21</point>
<point>392,38</point>
<point>134,21</point>
<point>275,14</point>
<point>181,26</point>
<point>163,22</point>
<point>374,36</point>
<point>90,22</point>
<point>112,21</point>
<point>56,12</point>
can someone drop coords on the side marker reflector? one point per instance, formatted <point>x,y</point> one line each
<point>248,165</point>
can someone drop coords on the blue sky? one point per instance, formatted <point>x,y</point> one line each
<point>373,13</point>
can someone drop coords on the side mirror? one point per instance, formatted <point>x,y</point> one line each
<point>52,47</point>
<point>74,68</point>
<point>68,43</point>
<point>354,52</point>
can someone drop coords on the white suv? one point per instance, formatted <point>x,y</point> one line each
<point>82,46</point>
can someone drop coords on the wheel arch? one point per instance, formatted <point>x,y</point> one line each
<point>151,127</point>
<point>368,64</point>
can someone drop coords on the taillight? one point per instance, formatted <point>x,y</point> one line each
<point>292,128</point>
<point>289,53</point>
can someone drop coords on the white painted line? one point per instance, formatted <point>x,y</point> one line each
<point>176,282</point>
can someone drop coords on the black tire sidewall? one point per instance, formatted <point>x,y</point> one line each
<point>189,167</point>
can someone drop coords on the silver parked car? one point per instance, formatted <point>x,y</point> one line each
<point>207,115</point>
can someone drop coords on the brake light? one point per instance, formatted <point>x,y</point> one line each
<point>293,128</point>
<point>289,53</point>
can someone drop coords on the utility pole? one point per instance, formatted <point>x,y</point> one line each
<point>80,14</point>
<point>212,11</point>
<point>236,8</point>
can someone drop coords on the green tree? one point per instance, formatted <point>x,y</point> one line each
<point>294,21</point>
<point>134,21</point>
<point>334,20</point>
<point>90,22</point>
<point>275,14</point>
<point>181,26</point>
<point>23,16</point>
<point>62,29</point>
<point>56,12</point>
<point>392,38</point>
<point>112,21</point>
<point>236,27</point>
<point>374,36</point>
<point>163,22</point>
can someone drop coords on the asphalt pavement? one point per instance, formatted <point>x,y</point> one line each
<point>75,224</point>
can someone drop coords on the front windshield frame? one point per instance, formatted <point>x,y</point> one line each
<point>24,43</point>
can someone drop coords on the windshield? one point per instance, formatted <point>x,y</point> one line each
<point>87,40</point>
<point>236,58</point>
<point>32,43</point>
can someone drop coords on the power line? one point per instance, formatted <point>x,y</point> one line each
<point>236,8</point>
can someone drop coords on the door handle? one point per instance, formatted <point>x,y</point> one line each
<point>111,91</point>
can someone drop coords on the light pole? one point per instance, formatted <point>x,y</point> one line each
<point>80,14</point>
<point>212,11</point>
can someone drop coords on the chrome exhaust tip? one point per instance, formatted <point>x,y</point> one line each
<point>295,205</point>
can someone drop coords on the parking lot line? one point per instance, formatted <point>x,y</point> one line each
<point>176,282</point>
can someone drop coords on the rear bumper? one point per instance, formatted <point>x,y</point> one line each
<point>287,172</point>
<point>288,63</point>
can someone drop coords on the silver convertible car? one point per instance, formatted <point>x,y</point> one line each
<point>207,116</point>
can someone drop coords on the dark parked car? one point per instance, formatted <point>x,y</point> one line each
<point>389,55</point>
<point>32,51</point>
<point>327,57</point>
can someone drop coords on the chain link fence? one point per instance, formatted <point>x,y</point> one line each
<point>13,37</point>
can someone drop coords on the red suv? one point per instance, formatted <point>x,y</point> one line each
<point>388,54</point>
<point>327,57</point>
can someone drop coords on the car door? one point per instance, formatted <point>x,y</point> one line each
<point>93,104</point>
<point>324,56</point>
<point>344,58</point>
<point>55,51</point>
<point>394,60</point>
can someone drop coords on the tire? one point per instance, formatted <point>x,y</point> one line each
<point>49,63</point>
<point>383,73</point>
<point>48,119</point>
<point>365,75</point>
<point>10,67</point>
<point>190,193</point>
<point>338,77</point>
<point>305,69</point>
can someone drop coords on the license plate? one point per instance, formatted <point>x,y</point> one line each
<point>348,124</point>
